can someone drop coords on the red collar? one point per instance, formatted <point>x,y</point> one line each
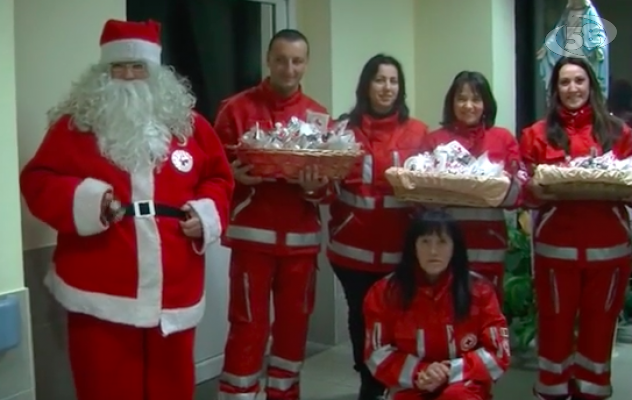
<point>276,101</point>
<point>576,119</point>
<point>437,288</point>
<point>377,127</point>
<point>471,132</point>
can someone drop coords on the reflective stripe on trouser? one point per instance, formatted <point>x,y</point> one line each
<point>589,282</point>
<point>253,276</point>
<point>267,236</point>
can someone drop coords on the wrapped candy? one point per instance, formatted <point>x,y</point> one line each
<point>452,158</point>
<point>313,134</point>
<point>607,161</point>
<point>593,177</point>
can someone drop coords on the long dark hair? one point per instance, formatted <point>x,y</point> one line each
<point>479,85</point>
<point>363,104</point>
<point>403,283</point>
<point>606,128</point>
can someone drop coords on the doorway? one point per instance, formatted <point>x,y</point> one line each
<point>219,45</point>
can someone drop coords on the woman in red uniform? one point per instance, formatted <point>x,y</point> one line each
<point>364,205</point>
<point>469,117</point>
<point>581,248</point>
<point>434,331</point>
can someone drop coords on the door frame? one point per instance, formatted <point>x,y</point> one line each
<point>285,11</point>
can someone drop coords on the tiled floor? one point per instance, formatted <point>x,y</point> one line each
<point>329,376</point>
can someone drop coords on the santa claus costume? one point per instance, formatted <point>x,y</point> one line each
<point>130,271</point>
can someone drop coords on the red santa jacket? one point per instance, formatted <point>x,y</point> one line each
<point>142,271</point>
<point>272,217</point>
<point>598,225</point>
<point>484,228</point>
<point>400,343</point>
<point>365,206</point>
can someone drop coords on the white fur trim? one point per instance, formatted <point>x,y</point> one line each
<point>139,312</point>
<point>86,207</point>
<point>130,50</point>
<point>211,224</point>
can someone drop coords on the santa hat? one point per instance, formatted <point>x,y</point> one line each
<point>124,41</point>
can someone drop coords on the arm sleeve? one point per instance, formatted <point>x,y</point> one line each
<point>55,194</point>
<point>515,167</point>
<point>491,359</point>
<point>529,162</point>
<point>226,129</point>
<point>389,365</point>
<point>215,190</point>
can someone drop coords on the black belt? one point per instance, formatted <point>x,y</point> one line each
<point>150,209</point>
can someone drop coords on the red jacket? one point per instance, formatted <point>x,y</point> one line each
<point>141,271</point>
<point>365,206</point>
<point>609,220</point>
<point>402,343</point>
<point>484,228</point>
<point>272,217</point>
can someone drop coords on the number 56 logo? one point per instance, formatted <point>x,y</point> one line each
<point>587,33</point>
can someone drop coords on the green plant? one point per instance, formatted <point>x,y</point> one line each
<point>519,298</point>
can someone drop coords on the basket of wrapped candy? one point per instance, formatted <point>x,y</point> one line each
<point>285,150</point>
<point>450,175</point>
<point>587,178</point>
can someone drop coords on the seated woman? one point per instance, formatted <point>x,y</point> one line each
<point>435,331</point>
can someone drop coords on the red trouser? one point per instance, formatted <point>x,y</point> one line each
<point>485,235</point>
<point>455,391</point>
<point>253,276</point>
<point>591,284</point>
<point>113,361</point>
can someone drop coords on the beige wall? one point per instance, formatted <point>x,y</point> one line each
<point>55,43</point>
<point>452,36</point>
<point>11,277</point>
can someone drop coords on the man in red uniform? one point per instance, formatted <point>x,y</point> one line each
<point>274,234</point>
<point>137,186</point>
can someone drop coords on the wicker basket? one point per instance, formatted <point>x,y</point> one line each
<point>447,189</point>
<point>272,163</point>
<point>584,183</point>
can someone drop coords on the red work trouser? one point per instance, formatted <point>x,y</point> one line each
<point>253,276</point>
<point>455,391</point>
<point>114,361</point>
<point>588,283</point>
<point>485,235</point>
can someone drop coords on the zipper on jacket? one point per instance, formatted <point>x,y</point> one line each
<point>545,217</point>
<point>340,227</point>
<point>241,206</point>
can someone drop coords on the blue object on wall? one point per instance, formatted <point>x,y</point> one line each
<point>10,322</point>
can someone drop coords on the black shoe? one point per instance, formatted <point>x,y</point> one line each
<point>371,391</point>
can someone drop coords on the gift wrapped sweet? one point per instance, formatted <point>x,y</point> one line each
<point>283,150</point>
<point>450,175</point>
<point>593,177</point>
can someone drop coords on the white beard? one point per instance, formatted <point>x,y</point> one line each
<point>129,133</point>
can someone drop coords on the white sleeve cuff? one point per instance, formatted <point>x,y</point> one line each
<point>211,224</point>
<point>86,207</point>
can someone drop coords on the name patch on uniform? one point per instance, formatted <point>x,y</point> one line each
<point>468,342</point>
<point>182,160</point>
